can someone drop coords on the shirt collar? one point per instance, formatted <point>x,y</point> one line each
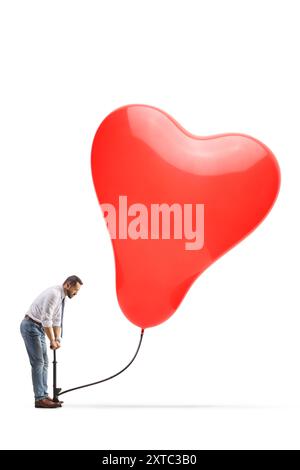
<point>63,295</point>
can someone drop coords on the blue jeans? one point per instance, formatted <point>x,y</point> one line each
<point>35,342</point>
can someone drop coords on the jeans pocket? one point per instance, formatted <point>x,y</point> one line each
<point>28,328</point>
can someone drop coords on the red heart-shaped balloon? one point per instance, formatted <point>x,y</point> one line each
<point>174,203</point>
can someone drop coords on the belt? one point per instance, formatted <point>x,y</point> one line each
<point>34,321</point>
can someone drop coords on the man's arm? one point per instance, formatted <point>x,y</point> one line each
<point>51,335</point>
<point>57,332</point>
<point>49,307</point>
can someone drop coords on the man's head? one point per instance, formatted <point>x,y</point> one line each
<point>72,285</point>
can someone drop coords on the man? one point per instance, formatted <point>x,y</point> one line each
<point>45,316</point>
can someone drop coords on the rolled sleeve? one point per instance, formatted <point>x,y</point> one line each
<point>49,309</point>
<point>57,318</point>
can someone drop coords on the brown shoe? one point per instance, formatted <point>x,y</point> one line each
<point>46,403</point>
<point>52,399</point>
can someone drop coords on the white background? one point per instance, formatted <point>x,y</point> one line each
<point>223,372</point>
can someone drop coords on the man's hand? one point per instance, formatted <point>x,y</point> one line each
<point>54,344</point>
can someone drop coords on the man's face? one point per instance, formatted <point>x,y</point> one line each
<point>72,290</point>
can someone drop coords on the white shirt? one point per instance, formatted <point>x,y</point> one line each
<point>47,307</point>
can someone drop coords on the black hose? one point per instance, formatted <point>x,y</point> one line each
<point>108,378</point>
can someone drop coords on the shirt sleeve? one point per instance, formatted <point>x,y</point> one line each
<point>57,314</point>
<point>49,309</point>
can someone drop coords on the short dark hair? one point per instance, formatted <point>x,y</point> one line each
<point>73,280</point>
